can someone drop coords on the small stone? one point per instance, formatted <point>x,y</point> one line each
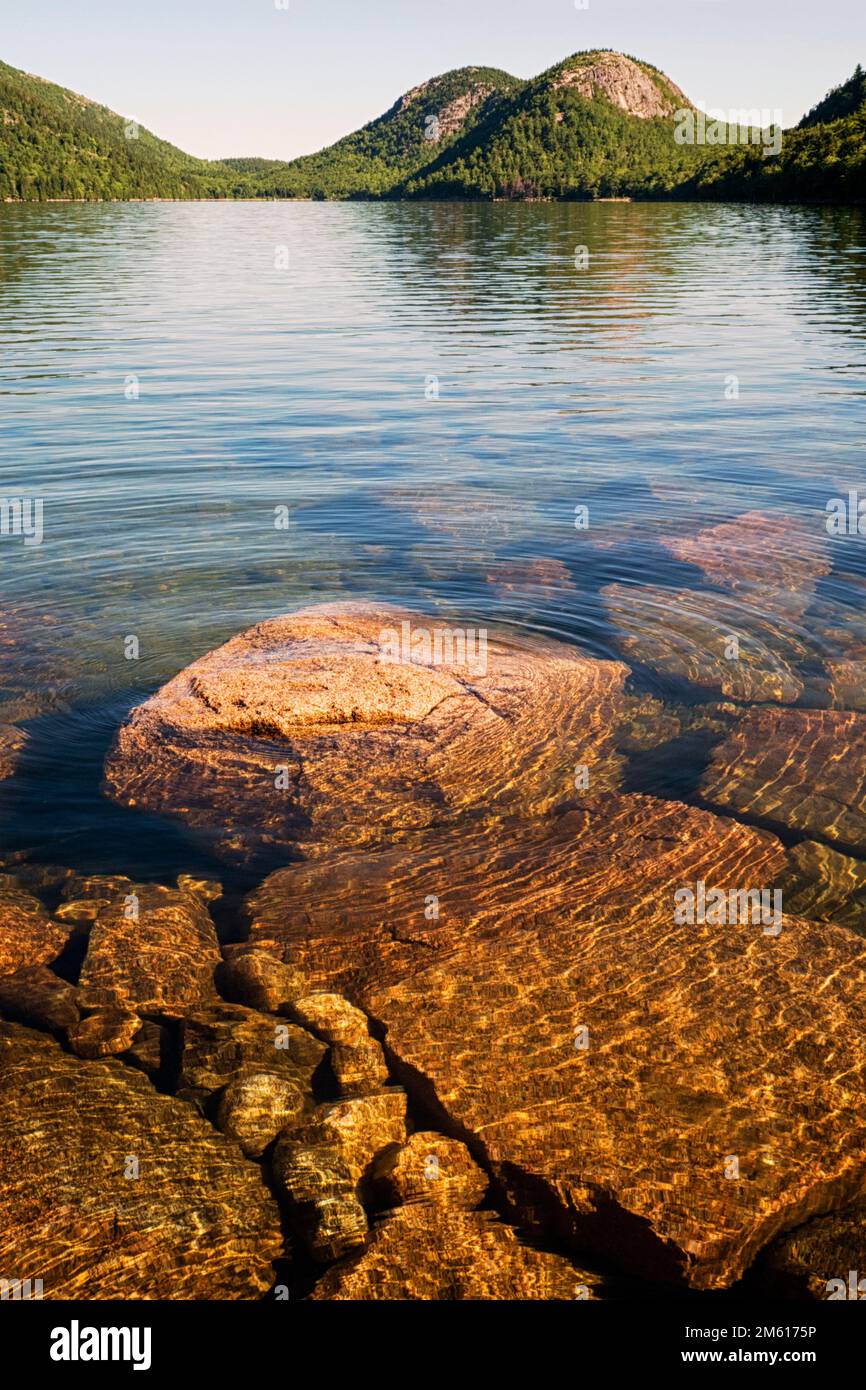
<point>255,1108</point>
<point>260,981</point>
<point>103,1034</point>
<point>207,890</point>
<point>429,1168</point>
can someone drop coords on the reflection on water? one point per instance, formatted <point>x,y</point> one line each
<point>431,391</point>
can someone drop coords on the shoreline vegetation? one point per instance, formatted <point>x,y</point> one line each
<point>600,126</point>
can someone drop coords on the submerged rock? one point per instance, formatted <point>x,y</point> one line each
<point>430,1252</point>
<point>223,1041</point>
<point>706,639</point>
<point>668,1091</point>
<point>320,1168</point>
<point>824,1259</point>
<point>28,936</point>
<point>350,724</point>
<point>256,979</point>
<point>104,1033</point>
<point>110,1190</point>
<point>357,1059</point>
<point>775,558</point>
<point>13,741</point>
<point>152,950</point>
<point>256,1107</point>
<point>798,769</point>
<point>37,997</point>
<point>429,1168</point>
<point>826,885</point>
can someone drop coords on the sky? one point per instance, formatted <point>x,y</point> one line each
<point>280,78</point>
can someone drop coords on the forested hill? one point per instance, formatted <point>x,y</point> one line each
<point>598,124</point>
<point>56,144</point>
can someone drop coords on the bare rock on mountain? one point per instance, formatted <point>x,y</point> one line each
<point>352,724</point>
<point>432,1253</point>
<point>153,950</point>
<point>110,1190</point>
<point>28,936</point>
<point>798,769</point>
<point>623,82</point>
<point>610,1056</point>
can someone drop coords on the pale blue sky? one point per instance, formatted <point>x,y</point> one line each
<point>231,77</point>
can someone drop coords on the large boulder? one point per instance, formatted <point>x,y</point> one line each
<point>110,1190</point>
<point>351,724</point>
<point>673,1092</point>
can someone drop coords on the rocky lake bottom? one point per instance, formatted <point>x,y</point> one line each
<point>433,756</point>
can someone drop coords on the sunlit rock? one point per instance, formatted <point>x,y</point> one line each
<point>353,724</point>
<point>152,950</point>
<point>641,1076</point>
<point>257,1106</point>
<point>321,1166</point>
<point>356,1058</point>
<point>429,1168</point>
<point>799,769</point>
<point>110,1190</point>
<point>28,936</point>
<point>433,1253</point>
<point>223,1041</point>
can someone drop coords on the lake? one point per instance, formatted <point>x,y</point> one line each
<point>500,413</point>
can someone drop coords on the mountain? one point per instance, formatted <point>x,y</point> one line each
<point>57,144</point>
<point>821,160</point>
<point>379,158</point>
<point>598,124</point>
